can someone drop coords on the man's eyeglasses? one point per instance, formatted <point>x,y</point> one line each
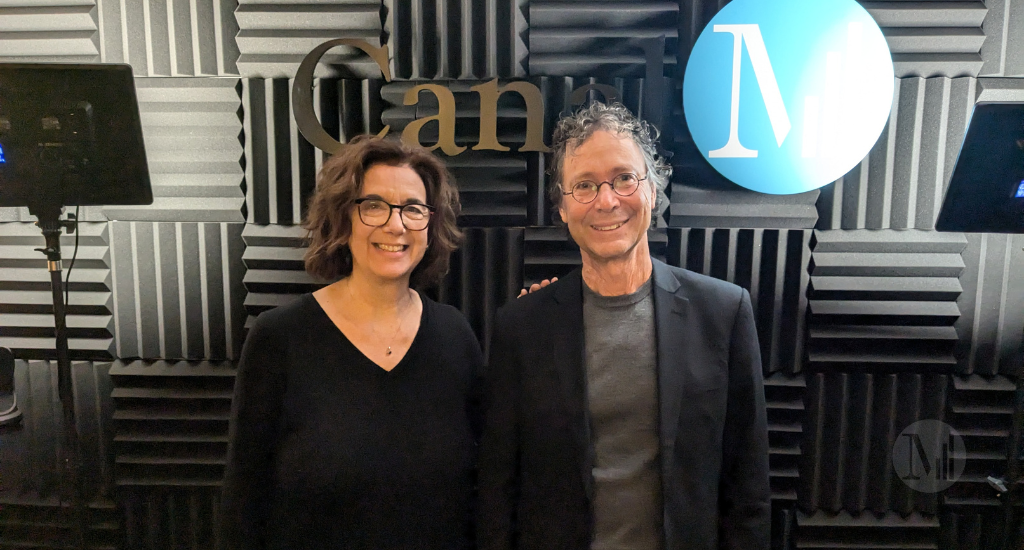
<point>376,212</point>
<point>624,185</point>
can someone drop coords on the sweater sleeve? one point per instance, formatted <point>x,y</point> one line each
<point>255,412</point>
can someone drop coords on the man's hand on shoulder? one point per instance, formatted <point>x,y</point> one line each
<point>536,286</point>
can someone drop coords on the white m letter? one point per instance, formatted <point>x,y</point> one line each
<point>751,34</point>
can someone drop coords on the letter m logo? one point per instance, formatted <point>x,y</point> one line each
<point>769,87</point>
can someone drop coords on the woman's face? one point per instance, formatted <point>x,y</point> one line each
<point>391,251</point>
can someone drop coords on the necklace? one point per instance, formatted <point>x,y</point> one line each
<point>401,322</point>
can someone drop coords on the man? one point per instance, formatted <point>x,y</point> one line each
<point>625,406</point>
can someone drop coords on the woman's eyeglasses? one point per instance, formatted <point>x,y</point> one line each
<point>376,212</point>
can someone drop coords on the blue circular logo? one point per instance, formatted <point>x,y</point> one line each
<point>785,96</point>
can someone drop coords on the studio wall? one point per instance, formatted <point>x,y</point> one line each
<point>868,319</point>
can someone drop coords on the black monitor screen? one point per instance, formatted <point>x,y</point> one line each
<point>70,135</point>
<point>986,192</point>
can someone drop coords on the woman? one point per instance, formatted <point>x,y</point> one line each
<point>353,422</point>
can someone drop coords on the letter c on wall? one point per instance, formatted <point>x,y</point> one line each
<point>302,91</point>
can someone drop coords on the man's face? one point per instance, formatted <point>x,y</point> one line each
<point>611,226</point>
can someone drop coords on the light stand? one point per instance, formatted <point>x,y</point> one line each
<point>52,227</point>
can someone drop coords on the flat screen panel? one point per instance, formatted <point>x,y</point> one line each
<point>986,191</point>
<point>70,135</point>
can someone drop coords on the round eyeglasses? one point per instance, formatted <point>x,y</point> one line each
<point>376,212</point>
<point>624,185</point>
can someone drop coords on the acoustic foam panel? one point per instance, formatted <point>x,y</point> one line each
<point>1003,50</point>
<point>730,206</point>
<point>992,306</point>
<point>274,272</point>
<point>772,266</point>
<point>178,290</point>
<point>981,411</point>
<point>1000,90</point>
<point>172,422</point>
<point>485,273</point>
<point>466,39</point>
<point>599,38</point>
<point>824,531</point>
<point>932,38</point>
<point>33,31</point>
<point>26,300</point>
<point>169,37</point>
<point>852,422</point>
<point>884,300</point>
<point>193,130</point>
<point>977,529</point>
<point>169,518</point>
<point>273,37</point>
<point>170,449</point>
<point>784,398</point>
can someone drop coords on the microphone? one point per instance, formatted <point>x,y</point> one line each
<point>9,413</point>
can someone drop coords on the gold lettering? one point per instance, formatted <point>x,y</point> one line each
<point>489,93</point>
<point>302,91</point>
<point>445,118</point>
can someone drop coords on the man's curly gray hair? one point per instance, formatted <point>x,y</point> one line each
<point>571,131</point>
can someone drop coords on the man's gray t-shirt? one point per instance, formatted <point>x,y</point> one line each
<point>622,391</point>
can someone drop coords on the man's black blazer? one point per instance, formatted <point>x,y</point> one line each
<point>536,455</point>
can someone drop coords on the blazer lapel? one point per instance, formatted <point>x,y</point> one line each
<point>567,318</point>
<point>670,311</point>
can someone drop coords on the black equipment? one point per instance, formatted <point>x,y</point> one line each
<point>986,195</point>
<point>986,191</point>
<point>69,135</point>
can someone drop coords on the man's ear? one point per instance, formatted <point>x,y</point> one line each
<point>561,214</point>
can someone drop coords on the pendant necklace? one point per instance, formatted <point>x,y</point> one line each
<point>401,321</point>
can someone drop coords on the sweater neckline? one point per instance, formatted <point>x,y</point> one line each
<point>409,354</point>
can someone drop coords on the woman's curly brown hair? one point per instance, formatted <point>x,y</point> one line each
<point>331,208</point>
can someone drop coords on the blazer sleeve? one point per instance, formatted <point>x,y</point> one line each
<point>499,445</point>
<point>255,412</point>
<point>744,493</point>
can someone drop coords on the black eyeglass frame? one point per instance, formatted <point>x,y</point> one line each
<point>391,210</point>
<point>610,184</point>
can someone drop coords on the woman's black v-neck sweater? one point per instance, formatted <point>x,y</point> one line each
<point>328,450</point>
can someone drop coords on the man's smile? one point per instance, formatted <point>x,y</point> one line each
<point>608,227</point>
